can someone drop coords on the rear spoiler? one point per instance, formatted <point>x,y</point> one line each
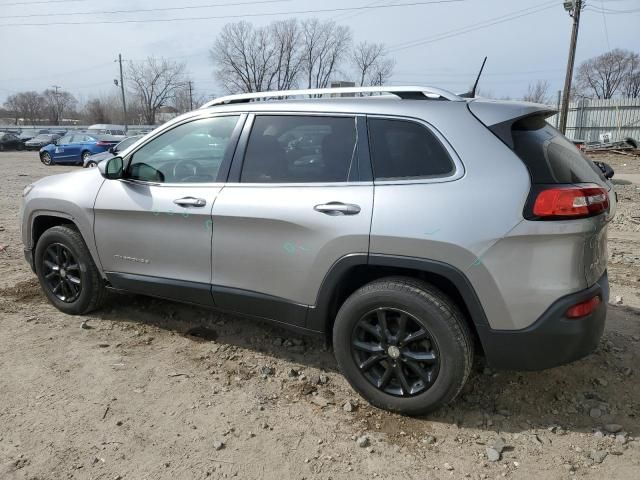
<point>499,116</point>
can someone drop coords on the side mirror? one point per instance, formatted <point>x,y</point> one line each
<point>111,169</point>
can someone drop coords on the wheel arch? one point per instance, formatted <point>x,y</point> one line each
<point>353,271</point>
<point>44,220</point>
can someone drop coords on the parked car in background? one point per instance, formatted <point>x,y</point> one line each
<point>9,141</point>
<point>76,148</point>
<point>29,133</point>
<point>93,160</point>
<point>106,129</point>
<point>41,140</point>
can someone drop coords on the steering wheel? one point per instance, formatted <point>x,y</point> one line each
<point>185,168</point>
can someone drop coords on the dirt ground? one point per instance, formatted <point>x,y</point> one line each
<point>140,394</point>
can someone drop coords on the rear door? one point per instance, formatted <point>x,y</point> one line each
<point>294,204</point>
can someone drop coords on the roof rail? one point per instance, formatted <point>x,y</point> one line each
<point>402,92</point>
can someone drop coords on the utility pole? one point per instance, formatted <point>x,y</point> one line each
<point>190,96</point>
<point>573,7</point>
<point>124,103</point>
<point>558,107</point>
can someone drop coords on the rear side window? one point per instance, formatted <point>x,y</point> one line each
<point>549,156</point>
<point>403,149</point>
<point>299,149</point>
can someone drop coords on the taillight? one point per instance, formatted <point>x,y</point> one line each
<point>103,144</point>
<point>583,309</point>
<point>570,202</point>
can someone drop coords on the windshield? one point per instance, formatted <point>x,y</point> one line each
<point>43,137</point>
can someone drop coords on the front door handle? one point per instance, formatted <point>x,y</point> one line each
<point>190,202</point>
<point>337,208</point>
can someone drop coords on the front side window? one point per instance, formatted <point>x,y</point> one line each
<point>299,149</point>
<point>189,153</point>
<point>402,149</point>
<point>65,140</point>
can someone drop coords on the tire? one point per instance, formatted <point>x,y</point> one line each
<point>84,156</point>
<point>46,158</point>
<point>444,356</point>
<point>91,164</point>
<point>1,147</point>
<point>64,247</point>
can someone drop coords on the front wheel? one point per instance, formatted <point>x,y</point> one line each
<point>403,345</point>
<point>45,158</point>
<point>66,271</point>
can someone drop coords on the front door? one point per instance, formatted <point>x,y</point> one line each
<point>153,228</point>
<point>290,216</point>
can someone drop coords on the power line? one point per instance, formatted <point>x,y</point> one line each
<point>39,3</point>
<point>606,29</point>
<point>140,10</point>
<point>240,15</point>
<point>473,27</point>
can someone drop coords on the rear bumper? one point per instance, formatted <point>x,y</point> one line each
<point>553,339</point>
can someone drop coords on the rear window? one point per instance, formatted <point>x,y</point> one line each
<point>403,149</point>
<point>549,155</point>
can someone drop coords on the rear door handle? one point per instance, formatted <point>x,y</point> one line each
<point>190,202</point>
<point>337,208</point>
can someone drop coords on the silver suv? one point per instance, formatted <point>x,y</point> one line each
<point>412,229</point>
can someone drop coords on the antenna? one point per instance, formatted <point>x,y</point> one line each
<point>472,93</point>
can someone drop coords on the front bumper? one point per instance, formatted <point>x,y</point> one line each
<point>553,339</point>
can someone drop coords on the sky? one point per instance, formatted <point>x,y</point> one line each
<point>437,44</point>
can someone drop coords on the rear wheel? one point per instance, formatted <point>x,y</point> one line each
<point>66,271</point>
<point>86,154</point>
<point>45,158</point>
<point>403,345</point>
<point>91,164</point>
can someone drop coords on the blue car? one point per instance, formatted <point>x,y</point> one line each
<point>76,147</point>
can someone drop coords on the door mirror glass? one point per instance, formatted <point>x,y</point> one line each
<point>111,169</point>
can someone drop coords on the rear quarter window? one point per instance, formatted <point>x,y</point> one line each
<point>403,149</point>
<point>550,156</point>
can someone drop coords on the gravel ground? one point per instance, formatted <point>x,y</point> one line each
<point>151,389</point>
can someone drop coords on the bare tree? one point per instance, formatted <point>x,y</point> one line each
<point>631,82</point>
<point>243,56</point>
<point>382,72</point>
<point>154,83</point>
<point>603,75</point>
<point>324,48</point>
<point>96,111</point>
<point>29,106</point>
<point>57,103</point>
<point>538,92</point>
<point>370,63</point>
<point>288,62</point>
<point>250,59</point>
<point>12,104</point>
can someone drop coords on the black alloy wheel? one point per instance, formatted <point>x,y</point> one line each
<point>62,273</point>
<point>395,352</point>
